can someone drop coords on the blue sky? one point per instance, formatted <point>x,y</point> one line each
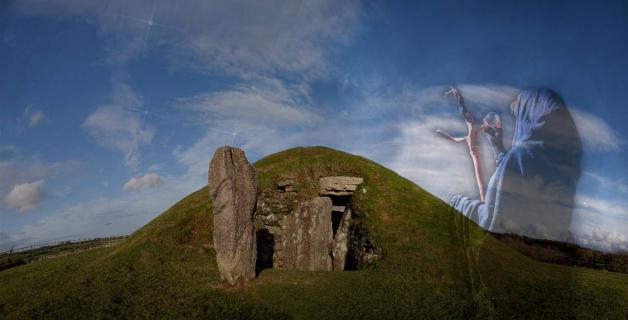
<point>110,110</point>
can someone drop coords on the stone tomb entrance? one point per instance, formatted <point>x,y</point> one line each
<point>277,228</point>
<point>321,234</point>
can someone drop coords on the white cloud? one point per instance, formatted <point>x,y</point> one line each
<point>116,127</point>
<point>268,37</point>
<point>602,209</point>
<point>290,37</point>
<point>19,170</point>
<point>606,182</point>
<point>595,216</point>
<point>106,216</point>
<point>36,118</point>
<point>264,101</point>
<point>33,116</point>
<point>149,180</point>
<point>480,99</point>
<point>280,36</point>
<point>26,196</point>
<point>115,215</point>
<point>607,241</point>
<point>595,133</point>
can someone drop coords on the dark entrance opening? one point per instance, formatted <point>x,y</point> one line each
<point>265,250</point>
<point>339,204</point>
<point>336,219</point>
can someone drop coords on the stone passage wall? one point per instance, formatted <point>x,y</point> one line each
<point>311,235</point>
<point>272,207</point>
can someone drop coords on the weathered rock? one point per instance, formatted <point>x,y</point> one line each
<point>284,183</point>
<point>339,246</point>
<point>362,251</point>
<point>339,186</point>
<point>307,236</point>
<point>269,220</point>
<point>273,205</point>
<point>287,185</point>
<point>233,189</point>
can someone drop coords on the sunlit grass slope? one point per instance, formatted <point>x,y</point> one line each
<point>436,265</point>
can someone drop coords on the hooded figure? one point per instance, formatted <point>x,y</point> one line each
<point>532,190</point>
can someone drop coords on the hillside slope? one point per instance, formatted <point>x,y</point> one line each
<point>437,264</point>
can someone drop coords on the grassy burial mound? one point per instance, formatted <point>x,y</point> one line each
<point>434,264</point>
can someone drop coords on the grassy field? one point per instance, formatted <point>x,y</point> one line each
<point>437,265</point>
<point>14,259</point>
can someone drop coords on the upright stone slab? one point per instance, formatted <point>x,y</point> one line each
<point>233,189</point>
<point>339,246</point>
<point>308,236</point>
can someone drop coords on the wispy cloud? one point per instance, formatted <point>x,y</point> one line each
<point>607,182</point>
<point>33,116</point>
<point>149,180</point>
<point>30,118</point>
<point>269,37</point>
<point>287,44</point>
<point>116,127</point>
<point>596,134</point>
<point>602,210</point>
<point>277,40</point>
<point>480,99</point>
<point>264,101</point>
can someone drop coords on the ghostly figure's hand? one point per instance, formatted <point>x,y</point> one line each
<point>471,138</point>
<point>472,135</point>
<point>492,127</point>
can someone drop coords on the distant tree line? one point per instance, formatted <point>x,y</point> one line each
<point>565,253</point>
<point>40,245</point>
<point>23,255</point>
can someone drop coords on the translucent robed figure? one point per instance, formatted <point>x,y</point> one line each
<point>533,187</point>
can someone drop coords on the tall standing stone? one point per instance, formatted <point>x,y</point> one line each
<point>233,189</point>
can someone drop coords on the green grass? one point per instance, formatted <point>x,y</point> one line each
<point>12,259</point>
<point>437,265</point>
